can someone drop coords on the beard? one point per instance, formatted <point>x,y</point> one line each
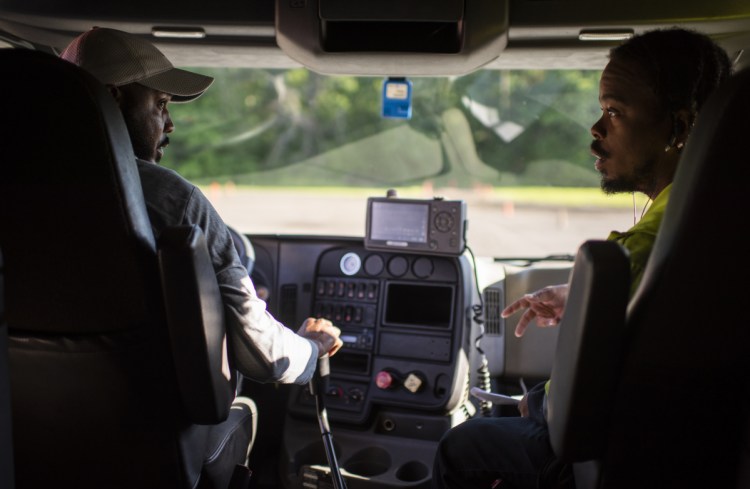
<point>141,138</point>
<point>640,180</point>
<point>143,130</point>
<point>144,150</point>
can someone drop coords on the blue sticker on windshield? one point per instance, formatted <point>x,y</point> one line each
<point>397,98</point>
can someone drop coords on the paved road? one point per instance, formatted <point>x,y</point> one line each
<point>496,228</point>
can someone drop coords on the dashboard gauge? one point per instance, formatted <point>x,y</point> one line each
<point>374,265</point>
<point>350,263</point>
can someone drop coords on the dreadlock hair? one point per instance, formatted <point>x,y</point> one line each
<point>682,66</point>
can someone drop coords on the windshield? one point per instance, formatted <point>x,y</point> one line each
<point>295,152</point>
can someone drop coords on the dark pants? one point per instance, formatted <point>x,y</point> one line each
<point>480,451</point>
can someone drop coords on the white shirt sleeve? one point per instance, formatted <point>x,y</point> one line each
<point>260,347</point>
<point>264,349</point>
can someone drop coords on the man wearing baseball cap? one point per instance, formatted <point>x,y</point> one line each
<point>143,82</point>
<point>141,79</point>
<point>117,58</point>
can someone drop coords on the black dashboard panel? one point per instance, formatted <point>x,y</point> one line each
<point>401,315</point>
<point>401,379</point>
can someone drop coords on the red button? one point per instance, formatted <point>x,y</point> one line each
<point>383,379</point>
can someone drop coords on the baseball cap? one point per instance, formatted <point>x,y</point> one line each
<point>119,58</point>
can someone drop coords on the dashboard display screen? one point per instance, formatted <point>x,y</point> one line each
<point>419,305</point>
<point>396,222</point>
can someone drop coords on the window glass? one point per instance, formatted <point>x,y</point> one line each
<point>295,152</point>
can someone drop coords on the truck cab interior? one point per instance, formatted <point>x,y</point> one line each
<point>652,391</point>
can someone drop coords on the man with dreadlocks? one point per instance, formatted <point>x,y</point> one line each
<point>650,93</point>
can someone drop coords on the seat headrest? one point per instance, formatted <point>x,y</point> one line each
<point>73,223</point>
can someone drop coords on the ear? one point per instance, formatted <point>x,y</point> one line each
<point>116,93</point>
<point>683,124</point>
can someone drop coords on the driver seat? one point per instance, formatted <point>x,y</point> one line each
<point>117,352</point>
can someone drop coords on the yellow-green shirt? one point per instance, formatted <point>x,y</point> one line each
<point>639,241</point>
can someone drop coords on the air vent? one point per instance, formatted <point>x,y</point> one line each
<point>288,305</point>
<point>493,302</point>
<point>422,26</point>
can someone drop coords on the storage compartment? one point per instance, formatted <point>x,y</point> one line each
<point>312,454</point>
<point>385,461</point>
<point>348,362</point>
<point>369,462</point>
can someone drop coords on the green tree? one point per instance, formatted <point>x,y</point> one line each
<point>328,129</point>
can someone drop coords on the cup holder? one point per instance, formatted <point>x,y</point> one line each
<point>369,462</point>
<point>313,454</point>
<point>412,471</point>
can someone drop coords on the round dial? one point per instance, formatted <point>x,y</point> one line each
<point>350,263</point>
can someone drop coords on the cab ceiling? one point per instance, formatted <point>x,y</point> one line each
<point>542,34</point>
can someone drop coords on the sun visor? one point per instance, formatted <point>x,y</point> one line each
<point>392,37</point>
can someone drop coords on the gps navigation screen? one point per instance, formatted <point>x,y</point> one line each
<point>399,222</point>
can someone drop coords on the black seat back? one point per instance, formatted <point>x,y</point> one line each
<point>95,398</point>
<point>589,350</point>
<point>682,402</point>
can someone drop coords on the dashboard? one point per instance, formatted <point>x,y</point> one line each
<point>402,319</point>
<point>401,379</point>
<point>410,327</point>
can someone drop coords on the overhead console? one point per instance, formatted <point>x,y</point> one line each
<point>376,37</point>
